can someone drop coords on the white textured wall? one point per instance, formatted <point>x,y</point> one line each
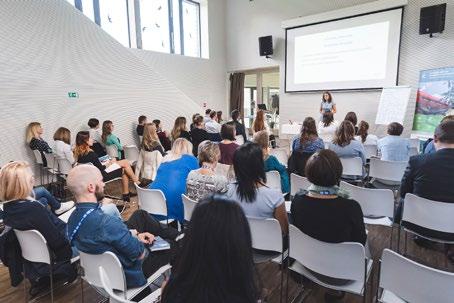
<point>48,48</point>
<point>249,20</point>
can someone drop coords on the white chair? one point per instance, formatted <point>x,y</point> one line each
<point>153,201</point>
<point>387,170</point>
<point>112,151</point>
<point>188,205</point>
<point>371,150</point>
<point>346,261</point>
<point>297,182</point>
<point>131,154</point>
<point>52,166</point>
<point>281,155</point>
<point>64,166</point>
<point>39,162</point>
<point>352,166</point>
<point>415,143</point>
<point>413,151</point>
<point>239,140</point>
<point>403,280</point>
<point>429,214</point>
<point>115,298</point>
<point>273,179</point>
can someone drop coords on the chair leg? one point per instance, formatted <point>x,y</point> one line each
<point>82,289</point>
<point>398,239</point>
<point>24,282</point>
<point>282,275</point>
<point>405,243</point>
<point>391,238</point>
<point>51,284</point>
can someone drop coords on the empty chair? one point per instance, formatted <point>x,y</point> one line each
<point>273,179</point>
<point>112,151</point>
<point>152,200</point>
<point>188,205</point>
<point>297,183</point>
<point>280,154</point>
<point>387,170</point>
<point>131,154</point>
<point>352,166</point>
<point>403,280</point>
<point>345,261</point>
<point>371,150</point>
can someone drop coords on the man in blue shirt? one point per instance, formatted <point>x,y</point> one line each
<point>92,231</point>
<point>393,147</point>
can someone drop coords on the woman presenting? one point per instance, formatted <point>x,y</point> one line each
<point>327,105</point>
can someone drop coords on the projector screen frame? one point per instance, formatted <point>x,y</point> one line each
<point>402,8</point>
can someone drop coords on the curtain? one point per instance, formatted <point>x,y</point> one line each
<point>237,92</point>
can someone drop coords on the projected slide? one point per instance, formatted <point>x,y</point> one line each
<point>353,53</point>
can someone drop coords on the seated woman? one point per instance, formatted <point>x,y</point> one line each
<point>308,140</point>
<point>198,134</point>
<point>84,154</point>
<point>260,124</point>
<point>363,134</point>
<point>271,162</point>
<point>108,138</point>
<point>22,212</point>
<point>327,127</point>
<point>351,116</point>
<point>227,146</point>
<point>344,143</point>
<point>62,149</point>
<point>172,174</point>
<point>224,267</point>
<point>150,141</point>
<point>33,137</point>
<point>250,190</point>
<point>203,181</point>
<point>163,135</point>
<point>180,130</point>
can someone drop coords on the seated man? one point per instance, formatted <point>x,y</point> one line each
<point>94,232</point>
<point>393,147</point>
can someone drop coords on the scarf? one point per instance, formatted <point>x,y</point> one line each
<point>330,190</point>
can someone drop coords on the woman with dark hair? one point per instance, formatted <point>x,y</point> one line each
<point>250,190</point>
<point>363,134</point>
<point>351,116</point>
<point>215,264</point>
<point>227,145</point>
<point>308,140</point>
<point>327,105</point>
<point>163,135</point>
<point>327,127</point>
<point>179,130</point>
<point>344,143</point>
<point>198,134</point>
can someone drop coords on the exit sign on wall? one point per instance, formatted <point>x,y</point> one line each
<point>73,95</point>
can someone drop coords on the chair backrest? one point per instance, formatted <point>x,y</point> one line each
<point>352,166</point>
<point>337,260</point>
<point>112,151</point>
<point>152,201</point>
<point>413,151</point>
<point>371,150</point>
<point>188,205</point>
<point>414,282</point>
<point>106,284</point>
<point>33,246</point>
<point>266,234</point>
<point>373,202</point>
<point>64,166</point>
<point>297,182</point>
<point>430,214</point>
<point>50,159</point>
<point>131,153</point>
<point>280,154</point>
<point>387,170</point>
<point>38,157</point>
<point>239,139</point>
<point>273,179</point>
<point>415,143</point>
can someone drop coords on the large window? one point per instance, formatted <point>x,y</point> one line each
<point>169,26</point>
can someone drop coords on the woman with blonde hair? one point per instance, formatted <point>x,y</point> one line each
<point>110,139</point>
<point>179,130</point>
<point>33,135</point>
<point>150,140</point>
<point>62,147</point>
<point>83,153</point>
<point>204,181</point>
<point>22,212</point>
<point>172,174</point>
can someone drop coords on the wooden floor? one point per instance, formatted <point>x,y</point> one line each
<point>378,239</point>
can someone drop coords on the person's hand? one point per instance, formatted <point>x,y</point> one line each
<point>146,238</point>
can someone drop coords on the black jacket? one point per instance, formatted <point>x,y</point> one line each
<point>240,130</point>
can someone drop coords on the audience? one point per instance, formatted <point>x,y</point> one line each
<point>172,174</point>
<point>212,126</point>
<point>150,141</point>
<point>327,127</point>
<point>344,143</point>
<point>98,145</point>
<point>393,147</point>
<point>250,190</point>
<point>191,127</point>
<point>219,117</point>
<point>308,140</point>
<point>239,127</point>
<point>260,124</point>
<point>227,145</point>
<point>84,154</point>
<point>110,139</point>
<point>142,121</point>
<point>270,161</point>
<point>430,146</point>
<point>198,134</point>
<point>351,116</point>
<point>92,231</point>
<point>207,117</point>
<point>363,134</point>
<point>203,181</point>
<point>163,136</point>
<point>62,147</point>
<point>33,137</point>
<point>216,262</point>
<point>179,130</point>
<point>22,212</point>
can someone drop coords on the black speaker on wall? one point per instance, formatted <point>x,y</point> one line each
<point>432,19</point>
<point>266,46</point>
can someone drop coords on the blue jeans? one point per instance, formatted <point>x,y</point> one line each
<point>45,198</point>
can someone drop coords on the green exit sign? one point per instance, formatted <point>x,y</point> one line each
<point>73,95</point>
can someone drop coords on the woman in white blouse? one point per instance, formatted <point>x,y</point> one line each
<point>363,134</point>
<point>327,127</point>
<point>62,147</point>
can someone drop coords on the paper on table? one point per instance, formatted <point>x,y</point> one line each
<point>112,167</point>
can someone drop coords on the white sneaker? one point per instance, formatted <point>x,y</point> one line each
<point>64,207</point>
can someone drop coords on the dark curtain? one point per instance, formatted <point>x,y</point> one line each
<point>237,92</point>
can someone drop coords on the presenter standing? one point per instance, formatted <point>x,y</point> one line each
<point>327,105</point>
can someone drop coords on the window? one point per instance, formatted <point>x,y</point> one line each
<point>114,19</point>
<point>154,25</point>
<point>190,15</point>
